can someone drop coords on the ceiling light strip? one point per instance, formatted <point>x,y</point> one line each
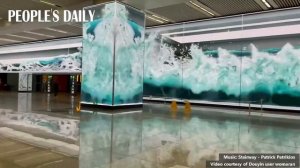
<point>154,19</point>
<point>266,3</point>
<point>230,27</point>
<point>161,18</point>
<point>24,37</point>
<point>39,34</point>
<point>49,3</point>
<point>41,48</point>
<point>56,30</point>
<point>9,40</point>
<point>240,34</point>
<point>200,7</point>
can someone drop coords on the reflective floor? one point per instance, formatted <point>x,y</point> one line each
<point>15,154</point>
<point>39,102</point>
<point>156,138</point>
<point>40,130</point>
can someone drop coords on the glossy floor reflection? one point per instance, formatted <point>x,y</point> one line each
<point>156,138</point>
<point>63,103</point>
<point>38,131</point>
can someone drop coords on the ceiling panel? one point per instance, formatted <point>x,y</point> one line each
<point>230,7</point>
<point>175,10</point>
<point>23,4</point>
<point>287,3</point>
<point>151,23</point>
<point>3,43</point>
<point>151,4</point>
<point>13,38</point>
<point>52,33</point>
<point>179,12</point>
<point>73,30</point>
<point>76,24</point>
<point>64,3</point>
<point>3,11</point>
<point>10,40</point>
<point>30,35</point>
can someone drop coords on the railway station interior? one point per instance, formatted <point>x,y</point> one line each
<point>149,83</point>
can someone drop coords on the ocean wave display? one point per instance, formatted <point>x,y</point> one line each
<point>113,57</point>
<point>190,71</point>
<point>62,63</point>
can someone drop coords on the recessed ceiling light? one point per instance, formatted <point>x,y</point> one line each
<point>49,3</point>
<point>203,9</point>
<point>266,3</point>
<point>9,40</point>
<point>156,20</point>
<point>56,30</point>
<point>24,37</point>
<point>39,34</point>
<point>161,18</point>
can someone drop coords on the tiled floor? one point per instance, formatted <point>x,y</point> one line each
<point>15,154</point>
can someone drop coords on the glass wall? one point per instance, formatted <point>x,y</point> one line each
<point>241,60</point>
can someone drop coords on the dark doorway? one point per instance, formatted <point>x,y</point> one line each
<point>3,81</point>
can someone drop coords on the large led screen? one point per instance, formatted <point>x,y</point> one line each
<point>129,54</point>
<point>64,63</point>
<point>97,57</point>
<point>257,70</point>
<point>113,53</point>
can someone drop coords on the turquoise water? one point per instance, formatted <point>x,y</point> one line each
<point>113,58</point>
<point>61,63</point>
<point>271,74</point>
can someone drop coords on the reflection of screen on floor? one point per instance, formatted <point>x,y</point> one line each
<point>149,84</point>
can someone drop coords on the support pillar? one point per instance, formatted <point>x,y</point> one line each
<point>72,83</point>
<point>25,82</point>
<point>112,58</point>
<point>49,84</point>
